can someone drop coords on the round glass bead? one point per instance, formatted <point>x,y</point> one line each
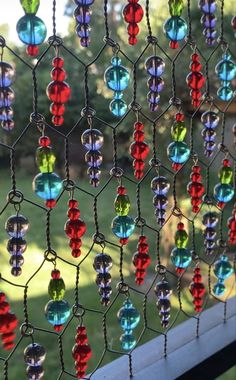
<point>122,205</point>
<point>58,92</point>
<point>118,107</point>
<point>123,226</point>
<point>160,185</point>
<point>7,75</point>
<point>178,152</point>
<point>102,263</point>
<point>6,113</point>
<point>209,20</point>
<point>34,354</point>
<point>35,373</point>
<point>17,226</point>
<point>219,289</point>
<point>153,98</point>
<point>30,6</point>
<point>128,316</point>
<point>162,289</point>
<point>83,30</point>
<point>156,84</point>
<point>128,341</point>
<point>210,219</point>
<point>226,69</point>
<point>7,95</point>
<point>47,185</point>
<point>208,6</point>
<point>31,30</point>
<point>223,192</point>
<point>57,312</point>
<point>225,93</point>
<point>210,119</point>
<point>117,78</point>
<point>92,139</point>
<point>181,257</point>
<point>16,261</point>
<point>16,246</point>
<point>93,158</point>
<point>83,15</point>
<point>175,28</point>
<point>222,268</point>
<point>155,66</point>
<point>56,289</point>
<point>45,159</point>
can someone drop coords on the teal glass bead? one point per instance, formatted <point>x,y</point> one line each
<point>128,342</point>
<point>118,107</point>
<point>222,268</point>
<point>219,289</point>
<point>175,28</point>
<point>178,152</point>
<point>116,76</point>
<point>31,30</point>
<point>223,192</point>
<point>123,226</point>
<point>181,257</point>
<point>57,312</point>
<point>47,185</point>
<point>226,69</point>
<point>225,93</point>
<point>128,316</point>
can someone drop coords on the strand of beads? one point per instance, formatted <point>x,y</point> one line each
<point>102,265</point>
<point>210,120</point>
<point>133,14</point>
<point>231,223</point>
<point>139,150</point>
<point>226,71</point>
<point>57,310</point>
<point>81,351</point>
<point>117,79</point>
<point>58,91</point>
<point>175,27</point>
<point>8,323</point>
<point>195,188</point>
<point>122,225</point>
<point>181,255</point>
<point>46,185</point>
<point>34,356</point>
<point>74,228</point>
<point>163,293</point>
<point>195,80</point>
<point>160,187</point>
<point>155,67</point>
<point>222,270</point>
<point>7,96</point>
<point>82,16</point>
<point>197,289</point>
<point>31,29</point>
<point>208,19</point>
<point>224,191</point>
<point>210,220</point>
<point>92,139</point>
<point>129,318</point>
<point>178,151</point>
<point>141,260</point>
<point>16,227</point>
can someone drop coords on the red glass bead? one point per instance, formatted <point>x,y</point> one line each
<point>180,226</point>
<point>58,120</point>
<point>133,13</point>
<point>51,203</point>
<point>132,40</point>
<point>8,323</point>
<point>2,297</point>
<point>32,50</point>
<point>138,165</point>
<point>141,260</point>
<point>44,141</point>
<point>57,109</point>
<point>124,241</point>
<point>81,352</point>
<point>139,150</point>
<point>221,204</point>
<point>179,116</point>
<point>138,174</point>
<point>55,274</point>
<point>195,66</point>
<point>138,136</point>
<point>121,190</point>
<point>196,169</point>
<point>73,213</point>
<point>58,74</point>
<point>176,166</point>
<point>9,338</point>
<point>58,92</point>
<point>73,203</point>
<point>195,80</point>
<point>179,270</point>
<point>76,253</point>
<point>196,95</point>
<point>58,328</point>
<point>226,162</point>
<point>174,44</point>
<point>138,126</point>
<point>4,307</point>
<point>75,228</point>
<point>195,188</point>
<point>133,29</point>
<point>58,62</point>
<point>195,57</point>
<point>75,243</point>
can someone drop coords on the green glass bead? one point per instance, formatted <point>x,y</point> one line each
<point>45,159</point>
<point>176,7</point>
<point>178,131</point>
<point>56,289</point>
<point>30,6</point>
<point>226,175</point>
<point>122,205</point>
<point>181,239</point>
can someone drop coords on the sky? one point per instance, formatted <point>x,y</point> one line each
<point>12,11</point>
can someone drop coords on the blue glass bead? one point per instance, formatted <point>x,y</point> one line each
<point>47,185</point>
<point>226,69</point>
<point>118,107</point>
<point>156,84</point>
<point>7,74</point>
<point>123,226</point>
<point>83,15</point>
<point>7,95</point>
<point>117,78</point>
<point>84,2</point>
<point>57,312</point>
<point>116,61</point>
<point>178,152</point>
<point>16,246</point>
<point>93,158</point>
<point>222,268</point>
<point>181,257</point>
<point>17,226</point>
<point>128,342</point>
<point>160,185</point>
<point>155,66</point>
<point>92,139</point>
<point>153,97</point>
<point>225,93</point>
<point>219,289</point>
<point>31,30</point>
<point>223,192</point>
<point>210,119</point>
<point>118,95</point>
<point>207,6</point>
<point>128,316</point>
<point>175,28</point>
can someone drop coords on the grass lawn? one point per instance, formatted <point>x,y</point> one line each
<point>88,295</point>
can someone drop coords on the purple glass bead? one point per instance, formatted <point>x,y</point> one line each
<point>83,15</point>
<point>7,125</point>
<point>156,84</point>
<point>207,6</point>
<point>6,113</point>
<point>153,97</point>
<point>83,30</point>
<point>210,119</point>
<point>85,41</point>
<point>209,145</point>
<point>155,66</point>
<point>84,2</point>
<point>208,134</point>
<point>209,20</point>
<point>209,33</point>
<point>7,97</point>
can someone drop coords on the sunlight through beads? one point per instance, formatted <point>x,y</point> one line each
<point>195,188</point>
<point>155,67</point>
<point>8,323</point>
<point>197,290</point>
<point>181,255</point>
<point>208,20</point>
<point>133,14</point>
<point>222,270</point>
<point>139,150</point>
<point>74,228</point>
<point>102,264</point>
<point>163,293</point>
<point>82,15</point>
<point>195,80</point>
<point>224,191</point>
<point>7,95</point>
<point>81,352</point>
<point>160,187</point>
<point>175,27</point>
<point>34,356</point>
<point>210,220</point>
<point>210,120</point>
<point>128,317</point>
<point>141,260</point>
<point>226,71</point>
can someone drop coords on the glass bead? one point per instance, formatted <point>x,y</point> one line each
<point>45,159</point>
<point>35,373</point>
<point>210,34</point>
<point>117,78</point>
<point>116,61</point>
<point>160,201</point>
<point>219,289</point>
<point>208,134</point>
<point>128,341</point>
<point>83,30</point>
<point>156,84</point>
<point>207,6</point>
<point>58,92</point>
<point>34,354</point>
<point>222,268</point>
<point>178,131</point>
<point>6,113</point>
<point>225,93</point>
<point>181,239</point>
<point>175,28</point>
<point>162,289</point>
<point>7,95</point>
<point>155,66</point>
<point>176,7</point>
<point>122,205</point>
<point>102,263</point>
<point>226,174</point>
<point>181,257</point>
<point>92,139</point>
<point>128,316</point>
<point>223,193</point>
<point>93,158</point>
<point>160,185</point>
<point>83,15</point>
<point>16,261</point>
<point>209,20</point>
<point>57,312</point>
<point>17,226</point>
<point>31,30</point>
<point>153,98</point>
<point>94,172</point>
<point>195,80</point>
<point>133,13</point>
<point>210,219</point>
<point>210,119</point>
<point>30,6</point>
<point>7,75</point>
<point>84,2</point>
<point>118,107</point>
<point>56,289</point>
<point>226,70</point>
<point>47,185</point>
<point>178,152</point>
<point>75,229</point>
<point>123,226</point>
<point>58,74</point>
<point>16,271</point>
<point>16,246</point>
